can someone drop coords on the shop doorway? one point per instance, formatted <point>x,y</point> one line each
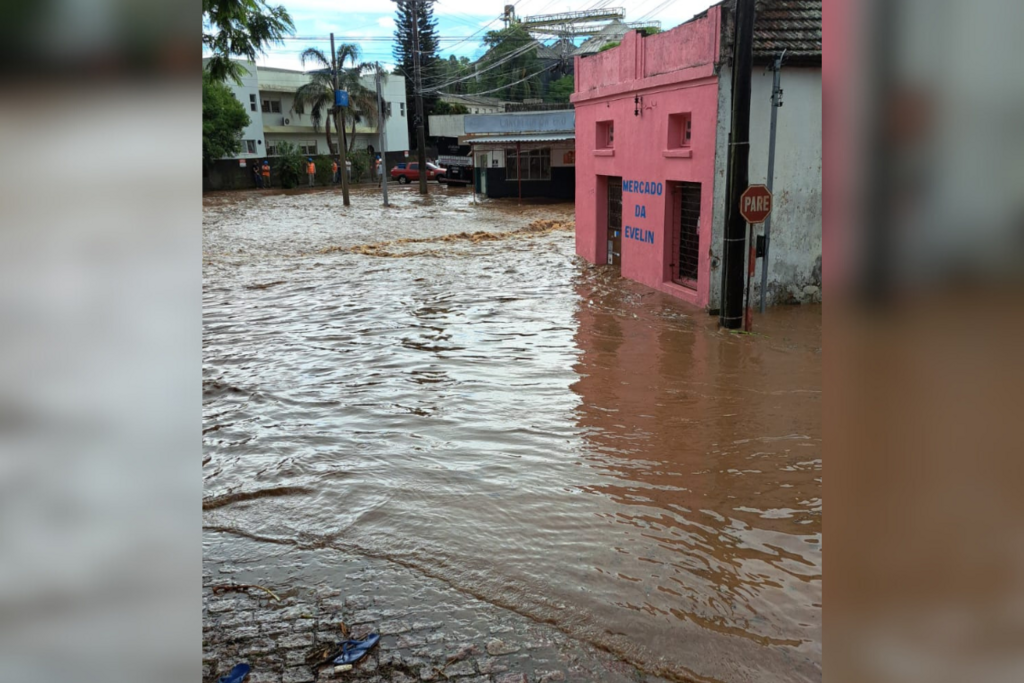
<point>614,228</point>
<point>686,233</point>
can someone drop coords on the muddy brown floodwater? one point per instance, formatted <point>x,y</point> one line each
<point>519,425</point>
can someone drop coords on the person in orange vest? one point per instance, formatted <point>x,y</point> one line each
<point>334,170</point>
<point>266,173</point>
<point>311,172</point>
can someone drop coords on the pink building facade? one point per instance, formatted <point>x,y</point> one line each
<point>652,122</point>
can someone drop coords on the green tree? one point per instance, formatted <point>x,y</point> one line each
<point>429,61</point>
<point>454,74</point>
<point>291,165</point>
<point>446,108</point>
<point>240,28</point>
<point>609,46</point>
<point>559,90</point>
<point>512,68</point>
<point>318,93</point>
<point>224,119</point>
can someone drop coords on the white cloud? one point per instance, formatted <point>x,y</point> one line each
<point>386,22</point>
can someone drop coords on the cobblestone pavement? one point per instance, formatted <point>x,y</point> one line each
<point>429,631</point>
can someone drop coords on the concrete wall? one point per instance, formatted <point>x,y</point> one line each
<point>794,263</point>
<point>254,131</point>
<point>606,86</point>
<point>523,122</point>
<point>449,126</point>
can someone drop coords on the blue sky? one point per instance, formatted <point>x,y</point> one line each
<point>370,23</point>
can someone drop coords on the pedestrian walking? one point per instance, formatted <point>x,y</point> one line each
<point>311,172</point>
<point>266,173</point>
<point>334,170</point>
<point>257,178</point>
<point>378,170</point>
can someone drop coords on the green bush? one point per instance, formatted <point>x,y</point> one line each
<point>360,165</point>
<point>291,166</point>
<point>324,174</point>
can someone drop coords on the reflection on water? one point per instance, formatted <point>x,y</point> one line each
<point>520,425</point>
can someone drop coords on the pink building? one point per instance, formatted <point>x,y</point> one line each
<point>652,126</point>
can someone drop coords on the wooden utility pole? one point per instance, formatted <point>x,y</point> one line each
<point>339,124</point>
<point>421,143</point>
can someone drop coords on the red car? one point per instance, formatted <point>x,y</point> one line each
<point>405,173</point>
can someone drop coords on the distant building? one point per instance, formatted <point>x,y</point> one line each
<point>248,93</point>
<point>268,95</point>
<point>531,154</point>
<point>652,125</point>
<point>476,104</point>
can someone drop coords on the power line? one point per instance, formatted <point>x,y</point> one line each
<point>507,85</point>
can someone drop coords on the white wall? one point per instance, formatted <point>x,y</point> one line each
<point>794,259</point>
<point>253,131</point>
<point>398,128</point>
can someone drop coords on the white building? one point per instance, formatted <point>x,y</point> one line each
<point>248,93</point>
<point>268,95</point>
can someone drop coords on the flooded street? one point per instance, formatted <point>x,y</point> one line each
<point>510,423</point>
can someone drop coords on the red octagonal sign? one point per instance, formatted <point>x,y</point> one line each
<point>755,204</point>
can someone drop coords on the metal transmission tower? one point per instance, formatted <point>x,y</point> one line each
<point>566,26</point>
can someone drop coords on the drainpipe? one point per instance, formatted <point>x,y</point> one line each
<point>776,103</point>
<point>733,252</point>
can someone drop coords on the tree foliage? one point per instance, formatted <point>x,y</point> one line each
<point>609,46</point>
<point>559,90</point>
<point>515,73</point>
<point>224,119</point>
<point>443,108</point>
<point>318,93</point>
<point>403,53</point>
<point>291,165</point>
<point>454,74</point>
<point>240,28</point>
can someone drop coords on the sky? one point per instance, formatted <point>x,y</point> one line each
<point>461,24</point>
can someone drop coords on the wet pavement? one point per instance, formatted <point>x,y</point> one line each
<point>485,430</point>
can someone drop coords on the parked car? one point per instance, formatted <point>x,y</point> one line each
<point>407,172</point>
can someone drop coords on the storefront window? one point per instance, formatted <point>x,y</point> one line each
<point>535,163</point>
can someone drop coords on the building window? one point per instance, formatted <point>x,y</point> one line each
<point>535,164</point>
<point>401,108</point>
<point>679,133</point>
<point>307,146</point>
<point>250,146</point>
<point>605,135</point>
<point>271,148</point>
<point>271,106</point>
<point>252,102</point>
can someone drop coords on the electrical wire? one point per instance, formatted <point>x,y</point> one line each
<point>507,85</point>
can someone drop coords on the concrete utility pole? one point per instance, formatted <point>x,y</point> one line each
<point>382,129</point>
<point>421,143</point>
<point>776,103</point>
<point>731,316</point>
<point>340,127</point>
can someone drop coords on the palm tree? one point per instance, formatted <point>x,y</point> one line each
<point>318,94</point>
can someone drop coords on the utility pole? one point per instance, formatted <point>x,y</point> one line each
<point>776,103</point>
<point>731,316</point>
<point>340,127</point>
<point>421,143</point>
<point>382,129</point>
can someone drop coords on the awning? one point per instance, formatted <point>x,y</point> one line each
<point>271,87</point>
<point>520,137</point>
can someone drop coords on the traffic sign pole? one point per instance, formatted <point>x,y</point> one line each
<point>755,207</point>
